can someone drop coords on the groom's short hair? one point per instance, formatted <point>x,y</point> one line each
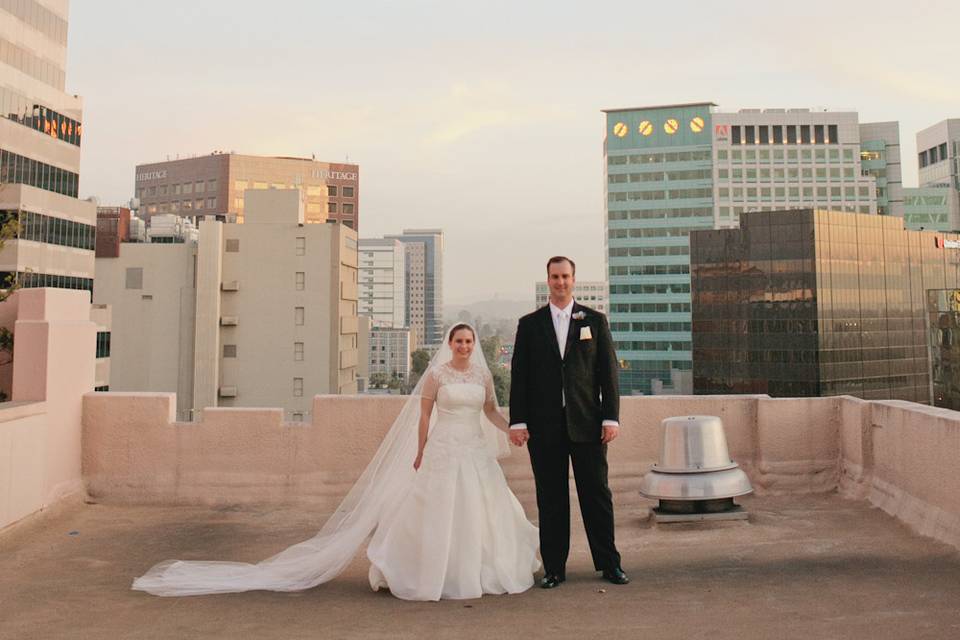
<point>558,260</point>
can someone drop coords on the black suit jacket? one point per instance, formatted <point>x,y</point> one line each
<point>586,375</point>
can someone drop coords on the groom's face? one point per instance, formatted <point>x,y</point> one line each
<point>560,278</point>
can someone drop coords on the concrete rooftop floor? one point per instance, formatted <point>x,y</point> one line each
<point>802,567</point>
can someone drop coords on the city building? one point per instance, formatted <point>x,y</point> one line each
<point>589,293</point>
<point>213,185</point>
<point>935,204</point>
<point>677,168</point>
<point>40,136</point>
<point>817,303</point>
<point>389,353</point>
<point>423,254</point>
<point>382,281</point>
<point>260,314</point>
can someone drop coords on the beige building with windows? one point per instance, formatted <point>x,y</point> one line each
<point>590,293</point>
<point>213,185</point>
<point>262,314</point>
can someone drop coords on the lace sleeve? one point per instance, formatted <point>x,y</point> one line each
<point>431,384</point>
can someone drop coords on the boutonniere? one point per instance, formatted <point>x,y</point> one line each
<point>579,315</point>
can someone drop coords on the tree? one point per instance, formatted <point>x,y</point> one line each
<point>501,375</point>
<point>419,360</point>
<point>378,380</point>
<point>9,228</point>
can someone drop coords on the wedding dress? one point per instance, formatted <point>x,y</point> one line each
<point>459,532</point>
<point>453,529</point>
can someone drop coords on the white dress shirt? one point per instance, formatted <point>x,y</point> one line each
<point>561,327</point>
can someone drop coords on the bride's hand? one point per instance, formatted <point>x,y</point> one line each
<point>416,463</point>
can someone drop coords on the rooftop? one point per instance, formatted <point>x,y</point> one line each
<point>853,532</point>
<point>803,567</point>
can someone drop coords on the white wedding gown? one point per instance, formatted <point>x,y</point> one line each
<point>459,532</point>
<point>451,530</point>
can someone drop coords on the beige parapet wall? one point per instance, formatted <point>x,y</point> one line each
<point>40,428</point>
<point>135,453</point>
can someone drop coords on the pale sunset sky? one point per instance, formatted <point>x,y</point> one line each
<point>481,118</point>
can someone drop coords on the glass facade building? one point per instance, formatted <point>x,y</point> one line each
<point>817,303</point>
<point>423,281</point>
<point>676,169</point>
<point>659,183</point>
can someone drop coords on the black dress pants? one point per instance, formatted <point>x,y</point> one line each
<point>551,463</point>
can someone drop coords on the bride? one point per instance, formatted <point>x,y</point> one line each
<point>445,526</point>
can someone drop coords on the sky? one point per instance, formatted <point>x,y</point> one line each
<point>481,118</point>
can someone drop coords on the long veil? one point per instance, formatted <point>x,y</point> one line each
<point>385,481</point>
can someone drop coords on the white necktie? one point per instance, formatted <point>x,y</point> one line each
<point>562,325</point>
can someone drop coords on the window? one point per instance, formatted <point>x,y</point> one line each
<point>804,134</point>
<point>211,203</point>
<point>348,192</point>
<point>348,207</point>
<point>298,351</point>
<point>301,246</point>
<point>777,134</point>
<point>134,278</point>
<point>297,387</point>
<point>832,137</point>
<point>298,316</point>
<point>749,134</point>
<point>212,185</point>
<point>229,351</point>
<point>762,130</point>
<point>233,245</point>
<point>103,344</point>
<point>299,280</point>
<point>332,190</point>
<point>331,207</point>
<point>296,417</point>
<point>735,135</point>
<point>818,135</point>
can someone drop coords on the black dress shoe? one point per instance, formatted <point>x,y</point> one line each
<point>615,576</point>
<point>551,580</point>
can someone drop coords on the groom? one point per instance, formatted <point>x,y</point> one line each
<point>564,401</point>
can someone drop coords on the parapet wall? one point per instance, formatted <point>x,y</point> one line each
<point>134,451</point>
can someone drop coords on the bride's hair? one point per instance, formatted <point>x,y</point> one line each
<point>458,327</point>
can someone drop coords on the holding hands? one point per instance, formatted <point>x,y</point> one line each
<point>519,437</point>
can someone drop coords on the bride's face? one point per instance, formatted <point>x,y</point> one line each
<point>461,343</point>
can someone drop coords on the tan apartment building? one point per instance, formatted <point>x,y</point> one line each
<point>262,314</point>
<point>213,185</point>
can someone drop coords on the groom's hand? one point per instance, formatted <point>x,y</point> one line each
<point>519,436</point>
<point>610,432</point>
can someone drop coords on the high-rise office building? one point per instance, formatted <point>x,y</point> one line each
<point>819,303</point>
<point>213,186</point>
<point>40,135</point>
<point>593,294</point>
<point>423,249</point>
<point>260,314</point>
<point>382,281</point>
<point>935,204</point>
<point>676,168</point>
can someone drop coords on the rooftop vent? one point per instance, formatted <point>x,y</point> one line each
<point>695,479</point>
